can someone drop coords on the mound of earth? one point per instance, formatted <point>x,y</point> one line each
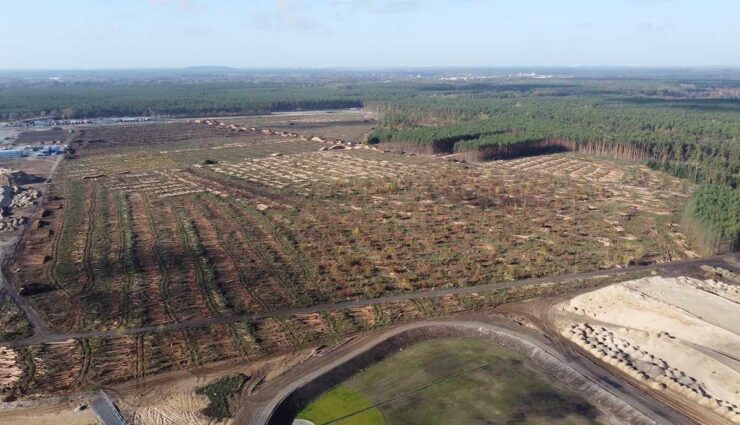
<point>676,334</point>
<point>6,187</point>
<point>21,178</point>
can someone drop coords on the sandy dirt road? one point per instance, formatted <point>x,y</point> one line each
<point>673,267</point>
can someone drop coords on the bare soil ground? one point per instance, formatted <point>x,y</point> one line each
<point>13,324</point>
<point>673,334</point>
<point>53,415</point>
<point>17,318</point>
<point>74,410</point>
<point>171,398</point>
<point>43,136</point>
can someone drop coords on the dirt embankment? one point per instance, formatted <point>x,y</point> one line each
<point>678,336</point>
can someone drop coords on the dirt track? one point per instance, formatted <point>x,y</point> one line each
<point>278,401</point>
<point>50,337</point>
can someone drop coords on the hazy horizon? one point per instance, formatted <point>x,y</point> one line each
<point>390,68</point>
<point>367,34</point>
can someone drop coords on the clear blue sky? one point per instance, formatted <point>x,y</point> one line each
<point>367,33</point>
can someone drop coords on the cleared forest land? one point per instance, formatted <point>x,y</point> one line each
<point>162,223</point>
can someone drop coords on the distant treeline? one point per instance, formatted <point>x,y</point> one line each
<point>70,98</point>
<point>94,101</point>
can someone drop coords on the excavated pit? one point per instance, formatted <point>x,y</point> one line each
<point>606,402</point>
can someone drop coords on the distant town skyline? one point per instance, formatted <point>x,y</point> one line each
<point>87,34</point>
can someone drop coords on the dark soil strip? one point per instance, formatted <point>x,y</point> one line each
<point>88,249</point>
<point>86,361</point>
<point>164,285</point>
<point>124,254</point>
<point>78,310</point>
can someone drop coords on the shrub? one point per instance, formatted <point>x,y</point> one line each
<point>218,394</point>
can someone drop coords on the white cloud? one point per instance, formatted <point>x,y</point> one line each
<point>377,6</point>
<point>655,27</point>
<point>287,14</point>
<point>179,5</point>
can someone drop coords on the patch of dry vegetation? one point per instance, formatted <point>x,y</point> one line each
<point>13,324</point>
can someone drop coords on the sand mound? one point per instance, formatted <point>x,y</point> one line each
<point>732,290</point>
<point>10,372</point>
<point>173,408</point>
<point>676,333</point>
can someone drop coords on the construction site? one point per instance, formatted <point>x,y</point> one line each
<point>159,257</point>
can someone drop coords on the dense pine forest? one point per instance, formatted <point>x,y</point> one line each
<point>713,215</point>
<point>699,144</point>
<point>201,99</point>
<point>686,125</point>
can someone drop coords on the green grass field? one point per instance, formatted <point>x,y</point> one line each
<point>451,381</point>
<point>342,406</point>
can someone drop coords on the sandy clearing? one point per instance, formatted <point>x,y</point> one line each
<point>175,408</point>
<point>625,306</point>
<point>10,372</point>
<point>682,293</point>
<point>170,399</point>
<point>675,333</point>
<point>52,415</point>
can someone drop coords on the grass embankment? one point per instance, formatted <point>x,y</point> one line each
<point>218,394</point>
<point>341,402</point>
<point>451,381</point>
<point>713,216</point>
